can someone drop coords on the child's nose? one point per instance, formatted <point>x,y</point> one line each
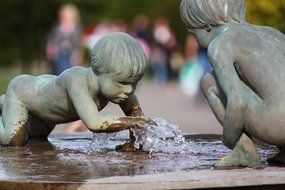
<point>130,89</point>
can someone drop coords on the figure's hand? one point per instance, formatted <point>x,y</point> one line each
<point>124,123</point>
<point>134,123</point>
<point>141,121</point>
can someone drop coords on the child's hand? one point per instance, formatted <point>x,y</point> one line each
<point>134,123</point>
<point>140,121</point>
<point>124,123</point>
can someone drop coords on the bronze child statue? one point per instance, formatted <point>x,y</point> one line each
<point>32,106</point>
<point>245,91</point>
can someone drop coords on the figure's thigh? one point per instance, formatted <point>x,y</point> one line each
<point>265,119</point>
<point>266,122</point>
<point>38,128</point>
<point>14,117</point>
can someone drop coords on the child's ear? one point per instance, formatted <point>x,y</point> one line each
<point>208,28</point>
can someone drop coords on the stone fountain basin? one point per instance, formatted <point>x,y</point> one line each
<point>66,162</point>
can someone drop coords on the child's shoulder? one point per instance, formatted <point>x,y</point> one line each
<point>76,69</point>
<point>232,39</point>
<point>76,74</point>
<point>269,32</point>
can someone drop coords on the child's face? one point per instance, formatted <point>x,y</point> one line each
<point>115,87</point>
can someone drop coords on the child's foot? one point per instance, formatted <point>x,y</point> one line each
<point>279,158</point>
<point>232,160</point>
<point>244,154</point>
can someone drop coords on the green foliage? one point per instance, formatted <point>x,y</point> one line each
<point>22,25</point>
<point>265,12</point>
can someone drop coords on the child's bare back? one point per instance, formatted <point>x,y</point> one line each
<point>252,49</point>
<point>47,96</point>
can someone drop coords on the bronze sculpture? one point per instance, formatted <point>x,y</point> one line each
<point>32,106</point>
<point>245,90</point>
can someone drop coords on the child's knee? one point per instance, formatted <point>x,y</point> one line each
<point>208,84</point>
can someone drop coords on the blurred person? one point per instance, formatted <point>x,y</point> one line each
<point>197,64</point>
<point>141,32</point>
<point>141,28</point>
<point>176,62</point>
<point>64,44</point>
<point>163,43</point>
<point>119,26</point>
<point>100,30</point>
<point>192,71</point>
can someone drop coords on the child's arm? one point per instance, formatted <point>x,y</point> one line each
<point>86,107</point>
<point>131,107</point>
<point>88,112</point>
<point>234,121</point>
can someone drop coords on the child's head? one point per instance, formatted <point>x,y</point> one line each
<point>118,53</point>
<point>198,14</point>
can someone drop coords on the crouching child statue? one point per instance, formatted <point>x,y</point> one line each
<point>245,90</point>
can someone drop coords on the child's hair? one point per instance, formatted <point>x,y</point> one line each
<point>201,13</point>
<point>119,53</point>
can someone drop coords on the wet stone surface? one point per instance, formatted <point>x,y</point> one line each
<point>70,158</point>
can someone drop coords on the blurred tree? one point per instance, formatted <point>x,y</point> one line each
<point>264,12</point>
<point>25,23</point>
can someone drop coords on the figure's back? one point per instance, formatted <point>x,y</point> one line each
<point>259,52</point>
<point>270,57</point>
<point>270,45</point>
<point>47,96</point>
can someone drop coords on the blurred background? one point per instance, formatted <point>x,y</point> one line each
<point>38,37</point>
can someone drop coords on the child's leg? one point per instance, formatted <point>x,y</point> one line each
<point>38,128</point>
<point>14,122</point>
<point>267,123</point>
<point>244,153</point>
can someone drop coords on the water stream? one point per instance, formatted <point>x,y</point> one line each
<point>165,137</point>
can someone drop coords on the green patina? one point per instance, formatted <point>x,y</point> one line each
<point>32,106</point>
<point>245,90</point>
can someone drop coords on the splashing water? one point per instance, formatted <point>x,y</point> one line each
<point>165,137</point>
<point>100,141</point>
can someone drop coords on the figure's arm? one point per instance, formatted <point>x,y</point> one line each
<point>229,80</point>
<point>132,108</point>
<point>88,111</point>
